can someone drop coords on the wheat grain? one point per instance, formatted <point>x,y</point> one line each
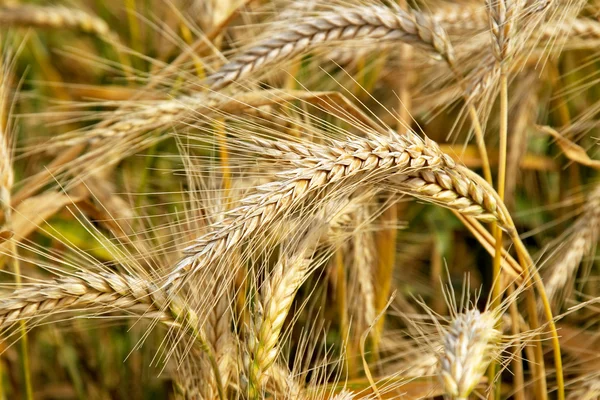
<point>365,23</point>
<point>469,344</point>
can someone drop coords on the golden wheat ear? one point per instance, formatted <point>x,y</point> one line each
<point>585,387</point>
<point>470,343</point>
<point>53,17</point>
<point>406,163</point>
<point>366,24</point>
<point>578,242</point>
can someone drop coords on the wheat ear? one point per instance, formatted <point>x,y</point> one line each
<point>107,292</point>
<point>469,344</point>
<point>347,24</point>
<point>281,381</point>
<point>363,265</point>
<point>407,163</point>
<point>275,303</point>
<point>588,388</point>
<point>218,335</point>
<point>53,17</point>
<point>104,290</point>
<point>585,233</point>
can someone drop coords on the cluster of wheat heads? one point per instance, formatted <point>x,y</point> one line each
<point>256,199</point>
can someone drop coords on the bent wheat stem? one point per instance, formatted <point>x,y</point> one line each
<point>539,284</point>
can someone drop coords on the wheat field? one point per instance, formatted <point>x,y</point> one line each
<point>299,199</point>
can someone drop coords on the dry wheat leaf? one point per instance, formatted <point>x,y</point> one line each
<point>573,151</point>
<point>33,211</point>
<point>5,235</point>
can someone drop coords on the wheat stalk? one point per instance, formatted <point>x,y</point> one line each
<point>469,344</point>
<point>365,23</point>
<point>6,149</point>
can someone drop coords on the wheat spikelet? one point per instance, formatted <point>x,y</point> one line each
<point>469,344</point>
<point>584,237</point>
<point>53,17</point>
<point>501,14</point>
<point>347,24</point>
